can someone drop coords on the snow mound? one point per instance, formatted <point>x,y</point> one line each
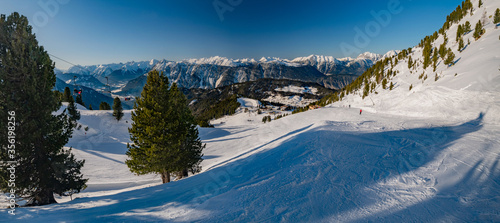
<point>249,103</point>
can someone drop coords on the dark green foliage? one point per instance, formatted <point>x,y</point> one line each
<point>209,100</point>
<point>427,53</point>
<point>117,109</point>
<point>280,116</point>
<point>104,106</point>
<point>496,19</point>
<point>66,95</point>
<point>461,44</point>
<point>266,119</point>
<point>457,15</point>
<point>435,58</point>
<point>225,107</point>
<point>90,107</point>
<point>164,134</point>
<point>301,109</point>
<point>366,90</point>
<point>391,87</point>
<point>479,31</point>
<point>79,100</point>
<point>384,83</point>
<point>421,75</point>
<point>442,50</point>
<point>450,58</point>
<point>59,95</point>
<point>328,99</point>
<point>73,113</point>
<point>460,32</point>
<point>467,27</point>
<point>410,63</point>
<point>43,167</point>
<point>205,124</point>
<point>480,3</point>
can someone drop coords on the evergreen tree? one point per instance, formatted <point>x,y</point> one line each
<point>391,86</point>
<point>90,107</point>
<point>117,109</point>
<point>66,95</point>
<point>460,32</point>
<point>104,106</point>
<point>384,83</point>
<point>450,58</point>
<point>427,53</point>
<point>461,44</point>
<point>79,100</point>
<point>43,167</point>
<point>73,113</point>
<point>435,58</point>
<point>480,3</point>
<point>59,95</point>
<point>442,50</point>
<point>467,27</point>
<point>183,126</point>
<point>479,31</point>
<point>164,134</point>
<point>496,19</point>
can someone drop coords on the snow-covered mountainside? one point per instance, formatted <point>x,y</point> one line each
<point>106,69</point>
<point>220,71</point>
<point>426,151</point>
<point>466,87</point>
<point>330,65</point>
<point>117,73</point>
<point>82,80</point>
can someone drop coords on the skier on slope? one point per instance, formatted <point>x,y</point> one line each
<point>360,110</point>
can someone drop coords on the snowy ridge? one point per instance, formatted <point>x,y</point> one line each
<point>468,87</point>
<point>220,71</point>
<point>106,69</point>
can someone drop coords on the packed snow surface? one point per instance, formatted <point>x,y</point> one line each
<point>330,164</point>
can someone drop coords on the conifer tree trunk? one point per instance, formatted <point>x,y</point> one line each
<point>46,196</point>
<point>165,177</point>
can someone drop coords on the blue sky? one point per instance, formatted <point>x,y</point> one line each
<point>97,32</point>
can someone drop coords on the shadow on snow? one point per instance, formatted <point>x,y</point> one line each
<point>314,175</point>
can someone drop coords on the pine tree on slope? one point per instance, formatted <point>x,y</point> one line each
<point>43,167</point>
<point>73,113</point>
<point>66,95</point>
<point>165,139</point>
<point>117,109</point>
<point>104,106</point>
<point>79,100</point>
<point>496,19</point>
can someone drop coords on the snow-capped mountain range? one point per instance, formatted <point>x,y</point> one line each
<point>220,71</point>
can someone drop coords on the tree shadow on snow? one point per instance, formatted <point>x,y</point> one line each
<point>315,175</point>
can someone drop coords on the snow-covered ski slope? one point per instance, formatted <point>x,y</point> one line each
<point>431,154</point>
<point>461,91</point>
